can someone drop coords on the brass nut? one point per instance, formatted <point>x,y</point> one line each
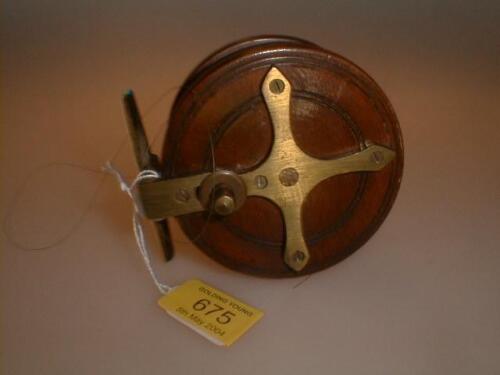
<point>219,184</point>
<point>224,205</point>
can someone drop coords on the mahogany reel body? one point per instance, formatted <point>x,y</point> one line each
<point>336,109</point>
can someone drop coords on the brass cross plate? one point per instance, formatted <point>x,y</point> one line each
<point>286,177</point>
<point>281,158</point>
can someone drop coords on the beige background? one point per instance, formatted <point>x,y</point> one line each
<point>422,297</point>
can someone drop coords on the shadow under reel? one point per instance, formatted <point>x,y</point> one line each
<point>281,158</point>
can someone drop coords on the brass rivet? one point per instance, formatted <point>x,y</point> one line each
<point>277,86</point>
<point>378,157</point>
<point>182,195</point>
<point>299,256</point>
<point>289,176</point>
<point>261,181</point>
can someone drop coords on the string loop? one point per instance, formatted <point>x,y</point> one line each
<point>129,188</point>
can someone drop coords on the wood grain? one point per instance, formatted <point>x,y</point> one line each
<point>336,109</point>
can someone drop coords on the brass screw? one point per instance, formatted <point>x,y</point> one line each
<point>377,157</point>
<point>261,181</point>
<point>299,256</point>
<point>277,86</point>
<point>182,195</point>
<point>289,176</point>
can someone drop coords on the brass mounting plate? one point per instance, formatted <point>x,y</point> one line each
<point>286,177</point>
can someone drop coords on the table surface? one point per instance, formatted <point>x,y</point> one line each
<point>421,297</point>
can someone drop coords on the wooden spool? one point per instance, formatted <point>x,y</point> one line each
<point>336,109</point>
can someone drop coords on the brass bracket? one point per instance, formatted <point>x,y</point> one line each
<point>286,177</point>
<point>145,159</point>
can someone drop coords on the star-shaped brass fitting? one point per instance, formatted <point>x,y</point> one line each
<point>286,177</point>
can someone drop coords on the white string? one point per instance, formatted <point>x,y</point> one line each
<point>137,217</point>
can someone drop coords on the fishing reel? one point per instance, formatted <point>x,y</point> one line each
<point>281,158</point>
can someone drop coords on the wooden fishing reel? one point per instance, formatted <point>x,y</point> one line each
<point>281,158</point>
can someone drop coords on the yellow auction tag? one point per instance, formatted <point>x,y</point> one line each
<point>213,314</point>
